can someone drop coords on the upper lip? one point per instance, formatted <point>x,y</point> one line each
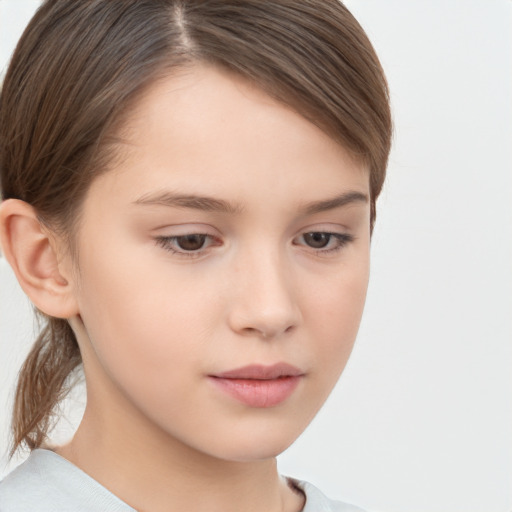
<point>261,372</point>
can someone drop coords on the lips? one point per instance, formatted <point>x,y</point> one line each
<point>261,372</point>
<point>257,385</point>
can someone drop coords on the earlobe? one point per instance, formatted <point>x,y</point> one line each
<point>32,253</point>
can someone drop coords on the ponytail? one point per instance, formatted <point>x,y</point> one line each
<point>43,383</point>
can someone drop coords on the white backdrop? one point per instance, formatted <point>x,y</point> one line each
<point>422,418</point>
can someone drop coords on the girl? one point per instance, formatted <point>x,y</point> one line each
<point>188,192</point>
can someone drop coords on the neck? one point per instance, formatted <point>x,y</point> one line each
<point>153,472</point>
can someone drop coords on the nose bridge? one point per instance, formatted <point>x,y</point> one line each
<point>265,302</point>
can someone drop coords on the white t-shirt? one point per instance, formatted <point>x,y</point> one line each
<point>46,482</point>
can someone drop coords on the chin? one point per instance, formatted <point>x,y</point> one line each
<point>254,444</point>
<point>253,452</point>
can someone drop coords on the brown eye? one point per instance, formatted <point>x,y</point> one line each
<point>192,245</point>
<point>193,242</point>
<point>317,240</point>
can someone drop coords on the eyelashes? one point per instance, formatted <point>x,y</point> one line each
<point>191,245</point>
<point>195,245</point>
<point>325,241</point>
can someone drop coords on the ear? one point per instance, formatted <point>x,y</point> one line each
<point>33,254</point>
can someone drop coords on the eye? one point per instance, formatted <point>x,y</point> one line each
<point>317,240</point>
<point>192,244</point>
<point>324,242</point>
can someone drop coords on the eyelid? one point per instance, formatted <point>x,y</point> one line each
<point>341,235</point>
<point>338,239</point>
<point>341,240</point>
<point>168,243</point>
<point>189,228</point>
<point>167,236</point>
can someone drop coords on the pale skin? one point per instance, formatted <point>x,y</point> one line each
<point>155,319</point>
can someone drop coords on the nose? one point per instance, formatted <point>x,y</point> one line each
<point>265,300</point>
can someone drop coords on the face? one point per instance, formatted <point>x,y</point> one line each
<point>223,268</point>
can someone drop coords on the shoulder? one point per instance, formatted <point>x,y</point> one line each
<point>317,501</point>
<point>26,488</point>
<point>47,482</point>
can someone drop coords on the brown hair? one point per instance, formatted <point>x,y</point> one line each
<point>80,65</point>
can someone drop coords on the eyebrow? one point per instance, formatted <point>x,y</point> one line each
<point>339,201</point>
<point>210,204</point>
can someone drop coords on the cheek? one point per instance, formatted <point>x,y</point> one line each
<point>145,346</point>
<point>334,314</point>
<point>141,319</point>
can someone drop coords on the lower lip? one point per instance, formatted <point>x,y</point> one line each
<point>258,393</point>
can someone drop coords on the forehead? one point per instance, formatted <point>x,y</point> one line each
<point>210,130</point>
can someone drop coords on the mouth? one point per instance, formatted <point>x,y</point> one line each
<point>259,386</point>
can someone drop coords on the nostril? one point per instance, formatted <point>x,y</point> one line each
<point>267,333</point>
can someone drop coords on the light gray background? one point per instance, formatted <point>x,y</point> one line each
<point>422,418</point>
